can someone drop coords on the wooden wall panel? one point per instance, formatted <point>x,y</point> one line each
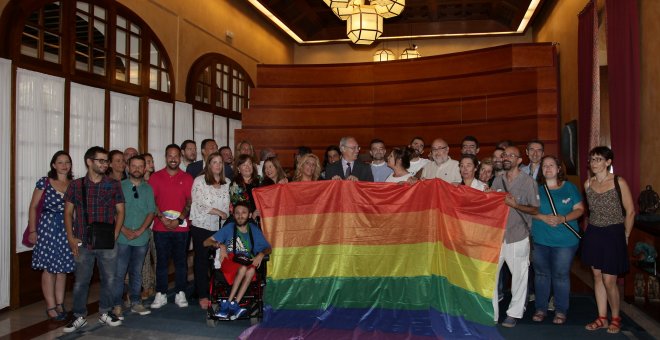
<point>507,92</point>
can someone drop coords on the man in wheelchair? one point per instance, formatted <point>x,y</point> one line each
<point>242,247</point>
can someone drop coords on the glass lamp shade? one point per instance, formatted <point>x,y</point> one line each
<point>365,25</point>
<point>390,8</point>
<point>337,3</point>
<point>384,55</point>
<point>410,53</point>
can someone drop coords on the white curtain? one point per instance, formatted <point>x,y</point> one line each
<point>220,131</point>
<point>87,123</point>
<point>183,122</point>
<point>5,180</point>
<point>160,130</point>
<point>39,134</point>
<point>203,129</point>
<point>233,125</point>
<point>124,121</point>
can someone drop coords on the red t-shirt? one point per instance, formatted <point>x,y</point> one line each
<point>171,193</point>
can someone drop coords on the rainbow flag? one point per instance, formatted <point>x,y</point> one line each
<point>380,261</point>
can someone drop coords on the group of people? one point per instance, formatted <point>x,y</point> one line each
<point>210,202</point>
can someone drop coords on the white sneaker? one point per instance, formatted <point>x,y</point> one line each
<point>118,312</point>
<point>75,325</point>
<point>180,299</point>
<point>138,308</point>
<point>109,319</point>
<point>159,301</point>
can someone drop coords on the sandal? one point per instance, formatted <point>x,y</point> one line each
<point>615,326</point>
<point>539,316</point>
<point>57,317</point>
<point>559,319</point>
<point>600,322</point>
<point>61,315</point>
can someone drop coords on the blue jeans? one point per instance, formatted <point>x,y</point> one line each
<point>129,259</point>
<point>107,262</point>
<point>552,266</point>
<point>172,245</point>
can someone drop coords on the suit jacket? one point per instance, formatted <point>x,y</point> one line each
<point>358,169</point>
<point>195,168</point>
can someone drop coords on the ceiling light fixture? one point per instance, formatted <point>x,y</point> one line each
<point>364,23</point>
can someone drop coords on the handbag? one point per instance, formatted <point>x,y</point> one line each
<point>100,235</point>
<point>26,234</point>
<point>554,212</point>
<point>243,259</point>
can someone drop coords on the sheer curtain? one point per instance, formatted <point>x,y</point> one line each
<point>124,121</point>
<point>233,125</point>
<point>220,131</point>
<point>160,130</point>
<point>87,123</point>
<point>183,122</point>
<point>203,129</point>
<point>5,180</point>
<point>39,134</point>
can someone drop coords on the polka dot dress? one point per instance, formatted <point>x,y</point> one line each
<point>52,252</point>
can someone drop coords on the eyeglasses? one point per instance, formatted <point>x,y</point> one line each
<point>135,192</point>
<point>510,155</point>
<point>596,159</point>
<point>354,148</point>
<point>101,160</point>
<point>440,148</point>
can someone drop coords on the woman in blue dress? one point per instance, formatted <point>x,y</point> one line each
<point>51,252</point>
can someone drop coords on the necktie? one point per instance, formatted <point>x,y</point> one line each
<point>348,170</point>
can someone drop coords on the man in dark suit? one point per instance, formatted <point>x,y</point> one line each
<point>209,146</point>
<point>349,167</point>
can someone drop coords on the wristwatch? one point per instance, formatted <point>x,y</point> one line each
<point>180,221</point>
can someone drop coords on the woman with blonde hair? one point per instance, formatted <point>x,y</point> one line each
<point>308,169</point>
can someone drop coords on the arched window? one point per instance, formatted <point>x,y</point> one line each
<point>219,85</point>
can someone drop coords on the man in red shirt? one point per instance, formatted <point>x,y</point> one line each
<point>172,192</point>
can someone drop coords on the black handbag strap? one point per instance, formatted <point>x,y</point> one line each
<point>618,192</point>
<point>554,212</point>
<point>251,239</point>
<point>84,202</point>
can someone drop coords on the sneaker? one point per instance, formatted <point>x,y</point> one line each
<point>159,301</point>
<point>117,311</point>
<point>551,304</point>
<point>138,308</point>
<point>75,325</point>
<point>223,310</point>
<point>509,322</point>
<point>109,319</point>
<point>180,299</point>
<point>236,310</point>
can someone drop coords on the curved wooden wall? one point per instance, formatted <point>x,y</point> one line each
<point>505,92</point>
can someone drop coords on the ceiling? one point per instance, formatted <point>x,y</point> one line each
<point>312,21</point>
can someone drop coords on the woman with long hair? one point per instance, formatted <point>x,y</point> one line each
<point>149,167</point>
<point>245,179</point>
<point>332,154</point>
<point>308,169</point>
<point>399,162</point>
<point>116,166</point>
<point>51,252</point>
<point>468,169</point>
<point>604,246</point>
<point>556,239</point>
<point>210,207</point>
<point>273,172</point>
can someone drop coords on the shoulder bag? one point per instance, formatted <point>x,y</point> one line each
<point>26,234</point>
<point>554,212</point>
<point>100,235</point>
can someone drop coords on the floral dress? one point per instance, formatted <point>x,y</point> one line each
<point>243,193</point>
<point>52,252</point>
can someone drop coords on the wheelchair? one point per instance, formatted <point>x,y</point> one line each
<point>219,290</point>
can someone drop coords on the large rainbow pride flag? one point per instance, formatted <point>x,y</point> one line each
<point>355,260</point>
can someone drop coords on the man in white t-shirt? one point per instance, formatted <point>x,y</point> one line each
<point>417,162</point>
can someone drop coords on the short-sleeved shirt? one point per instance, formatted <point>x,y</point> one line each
<point>137,210</point>
<point>526,192</point>
<point>447,171</point>
<point>564,197</point>
<point>102,198</point>
<point>417,165</point>
<point>226,236</point>
<point>171,193</point>
<point>381,171</point>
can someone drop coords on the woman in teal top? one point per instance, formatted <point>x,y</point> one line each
<point>555,239</point>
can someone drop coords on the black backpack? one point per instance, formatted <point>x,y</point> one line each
<point>648,201</point>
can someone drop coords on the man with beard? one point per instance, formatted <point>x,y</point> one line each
<point>172,192</point>
<point>443,166</point>
<point>497,162</point>
<point>416,161</point>
<point>470,145</point>
<point>103,202</point>
<point>189,153</point>
<point>535,153</point>
<point>134,236</point>
<point>249,241</point>
<point>209,146</point>
<point>523,200</point>
<point>228,159</point>
<point>379,167</point>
